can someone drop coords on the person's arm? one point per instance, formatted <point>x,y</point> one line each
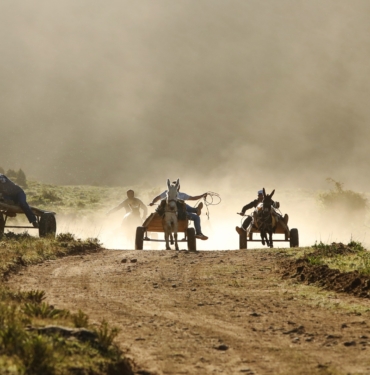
<point>157,198</point>
<point>248,206</point>
<point>196,197</point>
<point>117,208</point>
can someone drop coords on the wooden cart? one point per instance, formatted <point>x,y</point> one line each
<point>290,236</point>
<point>45,219</point>
<point>153,224</point>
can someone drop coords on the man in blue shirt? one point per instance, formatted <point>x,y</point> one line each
<point>193,213</point>
<point>12,191</point>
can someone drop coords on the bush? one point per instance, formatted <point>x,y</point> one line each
<point>340,198</point>
<point>342,207</point>
<point>21,179</point>
<point>12,174</point>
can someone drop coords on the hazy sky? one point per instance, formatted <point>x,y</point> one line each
<point>121,92</point>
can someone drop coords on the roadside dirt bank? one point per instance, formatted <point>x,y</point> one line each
<point>210,312</point>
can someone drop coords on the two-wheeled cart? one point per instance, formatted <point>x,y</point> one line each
<point>153,224</point>
<point>46,219</point>
<point>285,235</point>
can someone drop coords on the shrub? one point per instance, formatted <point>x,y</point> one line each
<point>21,179</point>
<point>340,198</point>
<point>12,174</point>
<point>50,195</point>
<point>80,319</point>
<point>342,207</point>
<point>106,336</point>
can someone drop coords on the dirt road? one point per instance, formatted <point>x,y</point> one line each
<point>221,312</point>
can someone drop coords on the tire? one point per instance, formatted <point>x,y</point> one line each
<point>243,241</point>
<point>294,238</point>
<point>47,225</point>
<point>139,238</point>
<point>192,241</point>
<point>2,224</point>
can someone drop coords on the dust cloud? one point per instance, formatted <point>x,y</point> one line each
<point>229,96</point>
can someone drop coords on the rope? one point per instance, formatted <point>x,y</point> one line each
<point>212,199</point>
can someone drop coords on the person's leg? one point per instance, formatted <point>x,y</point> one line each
<point>245,225</point>
<point>247,222</point>
<point>191,209</point>
<point>22,202</point>
<point>196,219</point>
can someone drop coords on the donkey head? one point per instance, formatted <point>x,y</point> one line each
<point>172,194</point>
<point>267,201</point>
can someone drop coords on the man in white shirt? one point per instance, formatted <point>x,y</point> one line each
<point>193,213</point>
<point>131,204</point>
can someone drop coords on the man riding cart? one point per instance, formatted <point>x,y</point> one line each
<point>265,220</point>
<point>13,201</point>
<point>283,221</point>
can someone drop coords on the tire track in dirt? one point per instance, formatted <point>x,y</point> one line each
<point>209,312</point>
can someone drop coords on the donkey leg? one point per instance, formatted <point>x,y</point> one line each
<point>176,244</point>
<point>263,238</point>
<point>271,243</point>
<point>175,227</point>
<point>166,237</point>
<point>171,237</point>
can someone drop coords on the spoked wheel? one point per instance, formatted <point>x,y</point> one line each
<point>47,225</point>
<point>139,238</point>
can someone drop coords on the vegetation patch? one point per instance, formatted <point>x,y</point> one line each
<point>337,267</point>
<point>36,337</point>
<point>19,250</point>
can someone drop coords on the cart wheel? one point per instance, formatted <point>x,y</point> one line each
<point>139,239</point>
<point>192,241</point>
<point>47,225</point>
<point>2,224</point>
<point>294,238</point>
<point>243,240</point>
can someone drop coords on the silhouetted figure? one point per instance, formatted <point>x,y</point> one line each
<point>13,192</point>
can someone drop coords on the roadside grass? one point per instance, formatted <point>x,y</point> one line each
<point>38,338</point>
<point>82,200</point>
<point>311,295</point>
<point>344,257</point>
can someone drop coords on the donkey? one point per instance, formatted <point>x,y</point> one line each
<point>265,219</point>
<point>169,220</point>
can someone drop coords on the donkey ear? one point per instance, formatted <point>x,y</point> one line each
<point>168,183</point>
<point>273,192</point>
<point>264,192</point>
<point>177,183</point>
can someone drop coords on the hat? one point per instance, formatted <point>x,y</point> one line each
<point>260,192</point>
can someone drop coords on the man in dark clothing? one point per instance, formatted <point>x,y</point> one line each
<point>254,204</point>
<point>12,191</point>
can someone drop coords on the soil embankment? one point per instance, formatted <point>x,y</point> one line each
<point>225,312</point>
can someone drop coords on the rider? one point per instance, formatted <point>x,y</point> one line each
<point>12,191</point>
<point>131,204</point>
<point>254,204</point>
<point>193,213</point>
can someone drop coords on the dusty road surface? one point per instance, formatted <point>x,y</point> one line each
<point>221,312</point>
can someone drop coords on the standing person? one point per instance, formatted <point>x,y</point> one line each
<point>193,213</point>
<point>132,205</point>
<point>254,204</point>
<point>13,192</point>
